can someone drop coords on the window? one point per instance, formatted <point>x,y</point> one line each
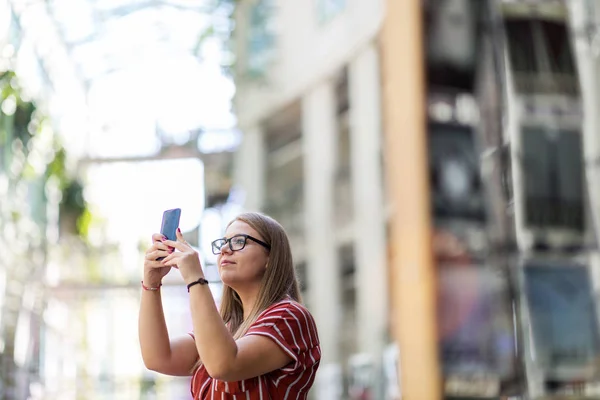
<point>521,45</point>
<point>563,318</point>
<point>559,48</point>
<point>452,41</point>
<point>475,321</point>
<point>455,177</point>
<point>541,56</point>
<point>553,178</point>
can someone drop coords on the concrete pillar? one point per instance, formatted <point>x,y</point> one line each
<point>250,168</point>
<point>412,266</point>
<point>319,137</point>
<point>369,217</point>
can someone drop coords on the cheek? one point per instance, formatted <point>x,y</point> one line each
<point>253,269</point>
<point>253,265</point>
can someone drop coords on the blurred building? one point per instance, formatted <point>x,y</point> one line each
<point>511,122</point>
<point>308,102</point>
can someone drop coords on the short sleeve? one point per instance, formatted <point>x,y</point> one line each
<point>291,327</point>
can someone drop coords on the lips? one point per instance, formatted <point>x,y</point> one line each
<point>226,262</point>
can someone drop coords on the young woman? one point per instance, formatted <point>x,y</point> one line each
<point>262,345</point>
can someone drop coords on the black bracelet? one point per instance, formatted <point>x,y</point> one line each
<point>200,281</point>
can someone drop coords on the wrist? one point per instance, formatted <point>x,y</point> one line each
<point>191,274</point>
<point>199,281</point>
<point>151,288</point>
<point>194,278</point>
<point>151,283</point>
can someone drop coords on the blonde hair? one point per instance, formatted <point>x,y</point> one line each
<point>278,282</point>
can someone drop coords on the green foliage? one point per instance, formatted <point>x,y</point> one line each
<point>19,128</point>
<point>84,222</point>
<point>72,197</point>
<point>25,110</point>
<point>58,169</point>
<point>23,116</point>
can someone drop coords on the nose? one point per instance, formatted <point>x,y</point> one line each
<point>226,249</point>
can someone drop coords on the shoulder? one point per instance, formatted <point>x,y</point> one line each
<point>287,319</point>
<point>286,308</point>
<point>291,326</point>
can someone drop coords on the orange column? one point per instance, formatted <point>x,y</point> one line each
<point>413,272</point>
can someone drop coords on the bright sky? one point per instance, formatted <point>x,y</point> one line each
<point>140,75</point>
<point>178,95</point>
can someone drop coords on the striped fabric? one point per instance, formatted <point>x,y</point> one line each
<point>290,325</point>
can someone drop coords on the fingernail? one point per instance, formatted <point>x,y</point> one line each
<point>171,249</point>
<point>178,230</point>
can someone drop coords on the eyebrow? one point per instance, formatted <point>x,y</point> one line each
<point>240,234</point>
<point>237,234</point>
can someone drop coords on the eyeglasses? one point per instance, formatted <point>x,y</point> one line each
<point>237,242</point>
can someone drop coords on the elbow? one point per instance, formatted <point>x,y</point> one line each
<point>152,364</point>
<point>222,366</point>
<point>219,372</point>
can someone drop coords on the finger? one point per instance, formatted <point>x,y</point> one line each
<point>157,246</point>
<point>163,246</point>
<point>153,255</point>
<point>181,246</point>
<point>155,264</point>
<point>180,237</point>
<point>157,237</point>
<point>170,260</point>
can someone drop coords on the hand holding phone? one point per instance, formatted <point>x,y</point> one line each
<point>170,223</point>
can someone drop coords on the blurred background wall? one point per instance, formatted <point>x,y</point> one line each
<point>510,139</point>
<point>343,113</point>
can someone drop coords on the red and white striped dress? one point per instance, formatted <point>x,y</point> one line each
<point>289,325</point>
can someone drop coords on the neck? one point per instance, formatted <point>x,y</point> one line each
<point>249,297</point>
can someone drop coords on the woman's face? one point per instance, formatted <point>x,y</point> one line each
<point>245,266</point>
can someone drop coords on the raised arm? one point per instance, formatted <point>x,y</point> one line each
<point>160,354</point>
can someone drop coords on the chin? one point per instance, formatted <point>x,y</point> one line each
<point>234,280</point>
<point>230,278</point>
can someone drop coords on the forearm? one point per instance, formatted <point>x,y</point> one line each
<point>153,334</point>
<point>214,342</point>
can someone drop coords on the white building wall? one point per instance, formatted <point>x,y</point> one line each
<point>249,168</point>
<point>369,225</point>
<point>310,55</point>
<point>307,52</point>
<point>323,298</point>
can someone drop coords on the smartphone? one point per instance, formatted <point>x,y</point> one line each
<point>170,223</point>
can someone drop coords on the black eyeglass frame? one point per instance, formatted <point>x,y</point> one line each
<point>228,241</point>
